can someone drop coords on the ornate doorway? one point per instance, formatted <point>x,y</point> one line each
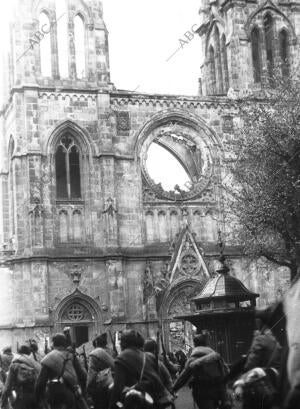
<point>178,334</point>
<point>82,314</point>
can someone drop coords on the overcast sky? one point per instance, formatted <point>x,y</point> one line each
<point>143,34</point>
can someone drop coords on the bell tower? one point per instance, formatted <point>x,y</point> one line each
<point>59,43</point>
<point>244,42</point>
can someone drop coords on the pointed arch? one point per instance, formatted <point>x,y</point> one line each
<point>268,5</point>
<point>224,64</point>
<point>61,8</point>
<point>12,186</point>
<point>256,54</point>
<point>268,23</point>
<point>69,153</point>
<point>162,226</point>
<point>79,39</point>
<point>78,297</point>
<point>81,136</point>
<point>45,45</point>
<point>284,52</point>
<point>68,157</point>
<point>174,223</point>
<point>218,61</point>
<point>212,70</point>
<point>150,229</point>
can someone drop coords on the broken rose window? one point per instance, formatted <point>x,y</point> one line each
<point>164,168</point>
<point>67,166</point>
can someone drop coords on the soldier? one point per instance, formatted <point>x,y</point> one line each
<point>6,358</point>
<point>137,372</point>
<point>35,350</point>
<point>58,380</point>
<point>99,379</point>
<point>151,346</point>
<point>20,381</point>
<point>205,374</point>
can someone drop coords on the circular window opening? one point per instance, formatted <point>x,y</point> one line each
<point>76,312</point>
<point>164,168</point>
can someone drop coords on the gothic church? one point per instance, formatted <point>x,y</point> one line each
<point>89,238</point>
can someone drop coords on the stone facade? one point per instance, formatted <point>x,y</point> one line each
<point>89,239</point>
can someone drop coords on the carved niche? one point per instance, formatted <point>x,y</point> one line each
<point>117,284</point>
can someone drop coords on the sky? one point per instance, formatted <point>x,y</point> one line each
<point>143,34</point>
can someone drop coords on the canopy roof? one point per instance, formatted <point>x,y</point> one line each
<point>224,286</point>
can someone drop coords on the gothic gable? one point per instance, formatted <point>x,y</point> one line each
<point>187,259</point>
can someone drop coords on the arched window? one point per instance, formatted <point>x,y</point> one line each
<point>45,46</point>
<point>256,58</point>
<point>218,63</point>
<point>162,226</point>
<point>210,227</point>
<point>63,226</point>
<point>224,64</point>
<point>79,34</point>
<point>198,224</point>
<point>12,189</point>
<point>284,52</point>
<point>150,226</point>
<point>67,166</point>
<point>174,223</point>
<point>269,40</point>
<point>77,225</point>
<point>62,37</point>
<point>212,70</point>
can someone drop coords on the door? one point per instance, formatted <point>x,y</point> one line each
<point>81,334</point>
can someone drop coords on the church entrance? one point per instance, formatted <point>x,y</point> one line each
<point>79,334</point>
<point>81,316</point>
<point>177,333</point>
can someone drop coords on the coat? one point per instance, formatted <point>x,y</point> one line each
<point>201,389</point>
<point>264,351</point>
<point>128,368</point>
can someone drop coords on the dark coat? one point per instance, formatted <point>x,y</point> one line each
<point>201,389</point>
<point>264,351</point>
<point>128,368</point>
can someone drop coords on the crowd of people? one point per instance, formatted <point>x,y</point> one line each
<point>139,377</point>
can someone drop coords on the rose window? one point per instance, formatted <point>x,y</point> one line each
<point>76,312</point>
<point>189,264</point>
<point>176,162</point>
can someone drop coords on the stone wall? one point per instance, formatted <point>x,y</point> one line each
<point>119,255</point>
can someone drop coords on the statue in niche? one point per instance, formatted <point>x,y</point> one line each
<point>112,273</point>
<point>110,207</point>
<point>149,296</point>
<point>116,293</point>
<point>36,209</point>
<point>148,282</point>
<point>163,279</point>
<point>110,210</point>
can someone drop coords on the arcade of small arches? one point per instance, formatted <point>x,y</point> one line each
<point>270,46</point>
<point>217,63</point>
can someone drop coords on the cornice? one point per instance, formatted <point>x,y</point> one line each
<point>157,251</point>
<point>123,99</point>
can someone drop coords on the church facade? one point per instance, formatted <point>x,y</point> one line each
<point>89,239</point>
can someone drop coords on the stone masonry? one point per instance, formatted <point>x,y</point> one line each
<point>88,238</point>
